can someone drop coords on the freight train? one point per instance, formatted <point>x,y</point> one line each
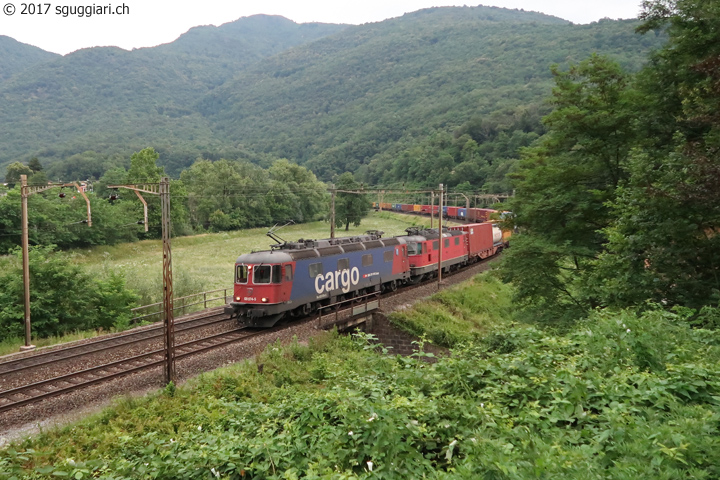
<point>294,279</point>
<point>458,213</point>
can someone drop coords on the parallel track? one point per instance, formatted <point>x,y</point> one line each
<point>104,344</point>
<point>20,396</point>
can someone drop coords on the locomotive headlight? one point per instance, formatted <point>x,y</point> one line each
<point>264,300</point>
<point>237,299</point>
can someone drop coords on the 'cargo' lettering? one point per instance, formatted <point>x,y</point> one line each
<point>339,279</point>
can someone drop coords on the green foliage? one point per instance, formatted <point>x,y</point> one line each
<point>564,182</point>
<point>375,90</point>
<point>143,168</point>
<point>664,245</point>
<point>227,195</point>
<point>349,207</point>
<point>58,221</point>
<point>35,165</point>
<point>620,396</point>
<point>16,57</point>
<point>13,172</point>
<point>333,96</point>
<point>476,156</point>
<point>94,303</point>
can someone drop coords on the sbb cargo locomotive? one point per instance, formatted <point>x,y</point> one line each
<point>296,278</point>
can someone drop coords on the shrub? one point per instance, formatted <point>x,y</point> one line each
<point>62,297</point>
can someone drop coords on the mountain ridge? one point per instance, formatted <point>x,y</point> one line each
<point>334,99</point>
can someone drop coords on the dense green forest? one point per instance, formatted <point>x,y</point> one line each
<point>113,101</point>
<point>333,98</point>
<point>619,202</point>
<point>16,57</point>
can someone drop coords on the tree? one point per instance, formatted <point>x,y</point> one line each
<point>13,172</point>
<point>93,303</point>
<point>143,167</point>
<point>564,182</point>
<point>304,192</point>
<point>665,242</point>
<point>35,165</point>
<point>349,207</point>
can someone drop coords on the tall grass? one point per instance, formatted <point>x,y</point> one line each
<point>461,313</point>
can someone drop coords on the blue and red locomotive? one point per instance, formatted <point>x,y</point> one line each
<point>296,278</point>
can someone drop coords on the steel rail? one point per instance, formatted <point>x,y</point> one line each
<point>99,345</point>
<point>24,390</point>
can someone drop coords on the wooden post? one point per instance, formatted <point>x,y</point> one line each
<point>432,208</point>
<point>168,314</point>
<point>26,261</point>
<point>440,253</point>
<point>332,212</point>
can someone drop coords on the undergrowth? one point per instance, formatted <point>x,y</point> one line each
<point>621,396</point>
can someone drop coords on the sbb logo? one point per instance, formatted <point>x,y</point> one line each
<point>338,279</point>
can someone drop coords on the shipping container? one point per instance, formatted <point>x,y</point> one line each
<point>480,238</point>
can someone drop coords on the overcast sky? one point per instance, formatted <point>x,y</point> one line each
<point>152,22</point>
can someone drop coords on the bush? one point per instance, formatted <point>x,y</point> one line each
<point>62,297</point>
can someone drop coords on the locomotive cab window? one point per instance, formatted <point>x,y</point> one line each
<point>388,256</point>
<point>288,273</point>
<point>276,274</point>
<point>261,274</point>
<point>436,245</point>
<point>241,274</point>
<point>343,264</point>
<point>315,269</point>
<point>457,240</point>
<point>367,260</point>
<point>447,242</point>
<point>414,248</point>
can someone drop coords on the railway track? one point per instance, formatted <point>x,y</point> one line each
<point>37,391</point>
<point>214,316</point>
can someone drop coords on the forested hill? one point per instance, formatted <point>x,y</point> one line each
<point>348,100</point>
<point>111,100</point>
<point>338,102</point>
<point>16,57</point>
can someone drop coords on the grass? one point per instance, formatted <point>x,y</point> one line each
<point>460,314</point>
<point>621,396</point>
